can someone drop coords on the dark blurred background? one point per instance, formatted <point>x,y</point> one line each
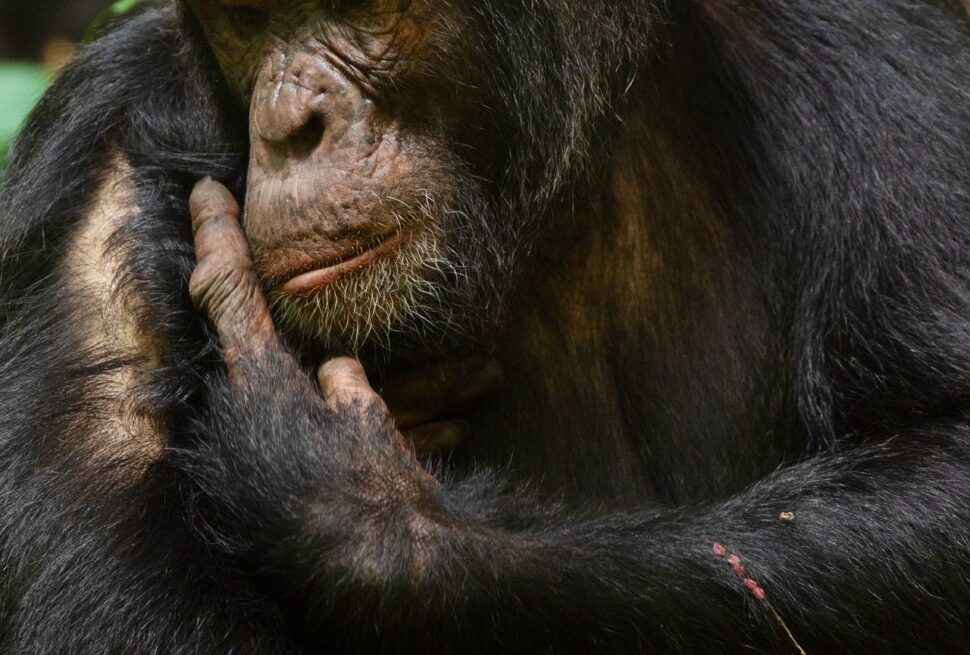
<point>31,30</point>
<point>36,38</point>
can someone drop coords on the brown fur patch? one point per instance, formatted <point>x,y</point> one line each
<point>119,425</point>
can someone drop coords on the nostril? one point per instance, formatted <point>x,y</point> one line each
<point>306,139</point>
<point>297,145</point>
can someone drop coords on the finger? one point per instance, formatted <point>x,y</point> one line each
<point>224,283</point>
<point>214,211</point>
<point>418,398</point>
<point>438,438</point>
<point>343,380</point>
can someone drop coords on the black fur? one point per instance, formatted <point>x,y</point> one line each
<point>834,136</point>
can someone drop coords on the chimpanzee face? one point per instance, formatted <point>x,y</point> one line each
<point>368,146</point>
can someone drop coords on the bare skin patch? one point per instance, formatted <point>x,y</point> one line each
<point>121,426</point>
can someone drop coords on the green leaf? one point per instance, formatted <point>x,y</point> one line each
<point>21,86</point>
<point>119,8</point>
<point>123,6</point>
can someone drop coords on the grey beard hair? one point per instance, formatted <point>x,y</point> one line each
<point>430,291</point>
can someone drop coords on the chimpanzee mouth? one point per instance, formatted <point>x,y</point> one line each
<point>355,260</point>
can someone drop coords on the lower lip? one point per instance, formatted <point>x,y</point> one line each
<point>309,282</point>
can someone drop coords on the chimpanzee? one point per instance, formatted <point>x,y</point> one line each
<point>664,306</point>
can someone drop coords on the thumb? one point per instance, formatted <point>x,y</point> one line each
<point>344,381</point>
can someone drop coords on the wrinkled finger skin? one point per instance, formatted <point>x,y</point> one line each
<point>344,382</point>
<point>224,285</point>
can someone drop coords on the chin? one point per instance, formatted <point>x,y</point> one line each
<point>399,293</point>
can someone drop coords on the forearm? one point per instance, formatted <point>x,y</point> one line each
<point>388,545</point>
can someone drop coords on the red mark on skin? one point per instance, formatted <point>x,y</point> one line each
<point>735,563</point>
<point>755,589</point>
<point>749,583</point>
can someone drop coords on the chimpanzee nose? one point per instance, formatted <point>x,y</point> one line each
<point>286,117</point>
<point>307,113</point>
<point>293,103</point>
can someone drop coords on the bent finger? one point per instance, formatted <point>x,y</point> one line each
<point>344,381</point>
<point>224,284</point>
<point>215,221</point>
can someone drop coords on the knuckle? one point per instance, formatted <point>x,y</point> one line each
<point>201,279</point>
<point>210,217</point>
<point>209,204</point>
<point>217,286</point>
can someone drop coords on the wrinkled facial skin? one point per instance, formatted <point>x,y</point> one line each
<point>360,218</point>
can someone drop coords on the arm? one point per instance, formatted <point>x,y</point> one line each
<point>317,491</point>
<point>95,553</point>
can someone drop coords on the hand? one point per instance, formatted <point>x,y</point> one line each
<point>224,285</point>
